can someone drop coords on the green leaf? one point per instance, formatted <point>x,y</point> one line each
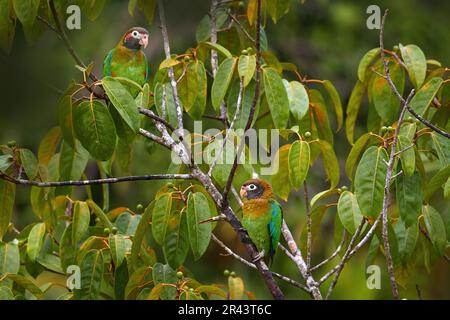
<point>407,156</point>
<point>51,262</point>
<point>48,145</point>
<point>352,110</point>
<point>409,197</point>
<point>415,62</point>
<point>280,173</point>
<point>137,280</point>
<point>176,242</point>
<point>6,293</point>
<point>384,99</point>
<point>171,112</point>
<point>29,163</point>
<point>99,213</point>
<point>222,81</point>
<point>142,228</point>
<point>7,197</point>
<point>132,6</point>
<point>436,182</point>
<point>93,9</point>
<point>215,46</point>
<point>199,234</point>
<point>442,146</point>
<point>26,10</point>
<point>337,105</point>
<point>298,98</point>
<point>447,189</point>
<point>320,113</point>
<point>80,221</point>
<point>365,62</point>
<point>35,241</point>
<point>370,179</point>
<point>72,162</point>
<point>123,102</point>
<point>95,129</point>
<point>188,85</point>
<point>246,68</point>
<point>356,151</point>
<point>91,276</point>
<point>435,228</point>
<point>27,284</point>
<point>164,274</point>
<point>198,107</point>
<point>330,163</point>
<point>127,223</point>
<point>277,8</point>
<point>423,97</point>
<point>246,103</point>
<point>160,217</point>
<point>9,258</point>
<point>407,240</point>
<point>118,247</point>
<point>299,159</point>
<point>277,97</point>
<point>349,212</point>
<point>6,161</point>
<point>7,25</point>
<point>148,8</point>
<point>67,249</point>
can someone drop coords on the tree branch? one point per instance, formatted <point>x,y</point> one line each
<point>334,254</point>
<point>94,181</point>
<point>308,226</point>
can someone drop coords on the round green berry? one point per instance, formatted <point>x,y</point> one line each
<point>107,230</point>
<point>233,274</point>
<point>114,230</point>
<point>191,290</point>
<point>244,52</point>
<point>97,220</point>
<point>226,273</point>
<point>344,188</point>
<point>307,134</point>
<point>12,143</point>
<point>139,208</point>
<point>180,275</point>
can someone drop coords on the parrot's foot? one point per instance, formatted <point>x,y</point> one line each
<point>259,256</point>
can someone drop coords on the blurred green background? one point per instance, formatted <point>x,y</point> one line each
<point>324,38</point>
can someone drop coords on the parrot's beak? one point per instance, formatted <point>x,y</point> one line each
<point>144,41</point>
<point>243,192</point>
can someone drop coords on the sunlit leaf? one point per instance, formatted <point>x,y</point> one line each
<point>80,221</point>
<point>365,62</point>
<point>48,145</point>
<point>336,100</point>
<point>199,234</point>
<point>7,197</point>
<point>299,159</point>
<point>222,81</point>
<point>298,98</point>
<point>416,63</point>
<point>164,274</point>
<point>330,163</point>
<point>246,68</point>
<point>349,212</point>
<point>277,97</point>
<point>29,163</point>
<point>91,276</point>
<point>35,241</point>
<point>352,110</point>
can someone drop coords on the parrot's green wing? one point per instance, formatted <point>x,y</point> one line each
<point>274,226</point>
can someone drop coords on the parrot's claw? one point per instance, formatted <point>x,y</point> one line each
<point>259,256</point>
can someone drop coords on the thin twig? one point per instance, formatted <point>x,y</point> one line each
<point>333,255</point>
<point>93,181</point>
<point>251,265</point>
<point>344,258</point>
<point>152,115</point>
<point>241,27</point>
<point>308,225</point>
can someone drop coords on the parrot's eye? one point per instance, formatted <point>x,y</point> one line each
<point>135,34</point>
<point>252,187</point>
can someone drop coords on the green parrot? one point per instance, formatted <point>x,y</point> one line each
<point>127,59</point>
<point>262,217</point>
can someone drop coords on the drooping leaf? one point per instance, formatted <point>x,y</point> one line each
<point>160,217</point>
<point>235,288</point>
<point>280,173</point>
<point>27,284</point>
<point>143,226</point>
<point>442,146</point>
<point>435,228</point>
<point>298,98</point>
<point>118,247</point>
<point>436,182</point>
<point>407,240</point>
<point>80,221</point>
<point>365,63</point>
<point>35,241</point>
<point>423,97</point>
<point>330,163</point>
<point>198,107</point>
<point>222,81</point>
<point>148,8</point>
<point>407,156</point>
<point>7,25</point>
<point>26,10</point>
<point>352,110</point>
<point>277,97</point>
<point>72,162</point>
<point>356,151</point>
<point>176,242</point>
<point>370,180</point>
<point>409,197</point>
<point>7,197</point>
<point>320,114</point>
<point>336,100</point>
<point>92,267</point>
<point>415,62</point>
<point>246,68</point>
<point>48,145</point>
<point>9,258</point>
<point>164,274</point>
<point>95,129</point>
<point>349,212</point>
<point>299,160</point>
<point>246,104</point>
<point>199,234</point>
<point>123,102</point>
<point>29,163</point>
<point>187,85</point>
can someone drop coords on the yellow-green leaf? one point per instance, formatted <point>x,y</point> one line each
<point>299,159</point>
<point>349,212</point>
<point>7,197</point>
<point>35,241</point>
<point>415,62</point>
<point>222,81</point>
<point>199,234</point>
<point>336,100</point>
<point>246,68</point>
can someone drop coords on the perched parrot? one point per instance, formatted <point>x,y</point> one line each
<point>127,59</point>
<point>262,217</point>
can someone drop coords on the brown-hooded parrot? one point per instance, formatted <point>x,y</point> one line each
<point>127,59</point>
<point>262,217</point>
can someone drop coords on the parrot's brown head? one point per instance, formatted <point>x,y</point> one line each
<point>256,189</point>
<point>135,39</point>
